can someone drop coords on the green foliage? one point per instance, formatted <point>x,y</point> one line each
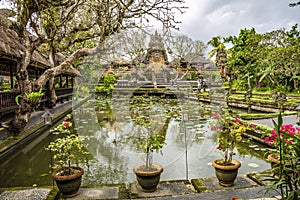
<point>239,85</point>
<point>282,88</point>
<point>153,142</point>
<point>154,139</point>
<point>229,133</point>
<point>261,89</point>
<point>68,148</point>
<point>85,89</point>
<point>108,84</point>
<point>269,58</point>
<point>35,96</point>
<point>4,86</point>
<point>286,140</point>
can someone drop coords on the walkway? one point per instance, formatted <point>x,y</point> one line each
<point>204,189</point>
<point>292,119</point>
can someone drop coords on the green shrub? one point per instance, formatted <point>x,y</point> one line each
<point>239,85</point>
<point>261,89</point>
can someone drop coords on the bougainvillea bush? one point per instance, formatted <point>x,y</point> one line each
<point>285,138</point>
<point>229,133</point>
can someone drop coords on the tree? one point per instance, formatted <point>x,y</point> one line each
<point>76,28</point>
<point>270,59</point>
<point>219,50</point>
<point>182,46</point>
<point>294,4</point>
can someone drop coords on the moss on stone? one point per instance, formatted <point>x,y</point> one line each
<point>199,184</point>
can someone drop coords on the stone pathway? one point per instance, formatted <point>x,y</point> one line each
<point>292,119</point>
<point>204,188</point>
<point>26,194</point>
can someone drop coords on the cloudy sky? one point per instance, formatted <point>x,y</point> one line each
<point>205,19</point>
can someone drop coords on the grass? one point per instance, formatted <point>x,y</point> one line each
<point>252,116</point>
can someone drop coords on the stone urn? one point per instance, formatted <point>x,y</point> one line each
<point>226,173</point>
<point>148,178</point>
<point>68,185</point>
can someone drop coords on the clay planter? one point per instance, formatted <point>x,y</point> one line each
<point>148,178</point>
<point>68,185</point>
<point>226,174</point>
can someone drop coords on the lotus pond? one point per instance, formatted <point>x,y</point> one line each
<point>112,137</point>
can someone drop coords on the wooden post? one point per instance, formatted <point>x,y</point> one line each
<point>60,81</point>
<point>67,81</point>
<point>11,74</point>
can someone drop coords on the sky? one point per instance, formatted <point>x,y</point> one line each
<point>205,19</point>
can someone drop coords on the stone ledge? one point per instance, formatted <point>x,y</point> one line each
<point>212,184</point>
<point>165,188</point>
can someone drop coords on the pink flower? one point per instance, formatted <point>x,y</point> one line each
<point>216,115</point>
<point>289,141</point>
<point>287,129</point>
<point>67,124</point>
<point>237,120</point>
<point>213,128</point>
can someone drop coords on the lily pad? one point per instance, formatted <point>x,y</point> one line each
<point>253,165</point>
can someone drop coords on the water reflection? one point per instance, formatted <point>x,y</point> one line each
<point>112,138</point>
<point>115,136</point>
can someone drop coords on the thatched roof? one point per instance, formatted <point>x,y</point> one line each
<point>11,46</point>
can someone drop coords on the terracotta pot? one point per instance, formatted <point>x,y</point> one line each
<point>226,174</point>
<point>148,178</point>
<point>68,185</point>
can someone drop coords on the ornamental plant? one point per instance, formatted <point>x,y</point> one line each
<point>286,141</point>
<point>67,149</point>
<point>154,141</point>
<point>229,132</point>
<point>288,135</point>
<point>66,127</point>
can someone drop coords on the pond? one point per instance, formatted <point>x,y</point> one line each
<point>113,137</point>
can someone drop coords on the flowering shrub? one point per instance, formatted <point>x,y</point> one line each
<point>229,132</point>
<point>67,149</point>
<point>66,127</point>
<point>286,140</point>
<point>287,132</point>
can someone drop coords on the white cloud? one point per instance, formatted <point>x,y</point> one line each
<point>208,18</point>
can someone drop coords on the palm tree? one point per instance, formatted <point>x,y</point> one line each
<point>219,50</point>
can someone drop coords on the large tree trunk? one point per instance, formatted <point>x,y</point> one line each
<point>53,96</point>
<point>25,106</point>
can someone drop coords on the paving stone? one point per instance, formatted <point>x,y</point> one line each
<point>163,189</point>
<point>212,184</point>
<point>97,193</point>
<point>26,194</point>
<point>262,178</point>
<point>253,193</point>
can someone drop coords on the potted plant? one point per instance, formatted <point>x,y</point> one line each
<point>286,159</point>
<point>148,174</point>
<point>229,133</point>
<point>66,151</point>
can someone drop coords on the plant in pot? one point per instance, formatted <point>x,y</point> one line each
<point>66,151</point>
<point>148,174</point>
<point>285,159</point>
<point>229,133</point>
